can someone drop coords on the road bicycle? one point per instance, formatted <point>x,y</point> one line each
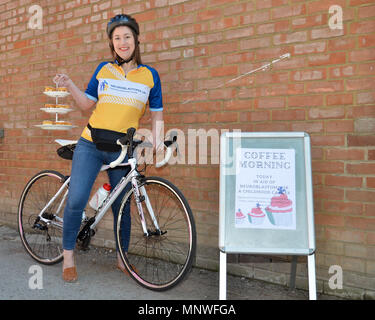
<point>162,243</point>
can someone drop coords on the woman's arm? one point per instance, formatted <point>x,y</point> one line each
<point>157,129</point>
<point>80,98</point>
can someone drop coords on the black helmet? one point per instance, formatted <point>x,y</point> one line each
<point>122,20</point>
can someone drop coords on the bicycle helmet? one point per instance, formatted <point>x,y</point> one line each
<point>122,20</point>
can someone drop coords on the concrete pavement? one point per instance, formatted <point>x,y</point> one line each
<point>99,279</point>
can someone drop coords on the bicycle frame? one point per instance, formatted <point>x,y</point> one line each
<point>138,191</point>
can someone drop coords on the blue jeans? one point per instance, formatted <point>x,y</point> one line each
<point>86,164</point>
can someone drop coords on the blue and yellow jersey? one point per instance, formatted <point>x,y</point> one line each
<point>121,101</point>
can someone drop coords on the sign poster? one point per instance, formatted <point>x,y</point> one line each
<point>265,189</point>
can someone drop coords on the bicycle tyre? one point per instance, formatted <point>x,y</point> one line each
<point>42,241</point>
<point>159,262</point>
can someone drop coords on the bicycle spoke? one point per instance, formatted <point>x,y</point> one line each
<point>160,261</point>
<point>43,241</point>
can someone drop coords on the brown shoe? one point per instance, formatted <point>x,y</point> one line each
<point>70,274</point>
<point>126,271</point>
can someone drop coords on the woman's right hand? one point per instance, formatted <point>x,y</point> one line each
<point>63,80</point>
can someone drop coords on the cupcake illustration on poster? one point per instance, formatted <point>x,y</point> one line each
<point>240,217</point>
<point>280,210</point>
<point>256,216</point>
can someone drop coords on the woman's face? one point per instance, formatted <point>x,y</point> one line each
<point>123,42</point>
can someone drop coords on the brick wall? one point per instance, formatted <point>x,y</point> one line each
<point>325,89</point>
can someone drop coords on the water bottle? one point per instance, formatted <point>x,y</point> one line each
<point>84,217</point>
<point>99,197</point>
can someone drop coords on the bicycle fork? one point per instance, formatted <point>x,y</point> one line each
<point>140,195</point>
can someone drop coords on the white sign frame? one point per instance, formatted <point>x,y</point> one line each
<point>227,168</point>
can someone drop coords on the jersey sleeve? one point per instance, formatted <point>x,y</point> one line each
<point>91,91</point>
<point>156,98</point>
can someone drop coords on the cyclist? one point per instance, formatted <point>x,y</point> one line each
<point>120,91</point>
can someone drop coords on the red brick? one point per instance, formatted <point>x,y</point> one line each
<point>339,99</point>
<point>329,193</point>
<point>272,127</point>
<point>270,103</point>
<point>358,141</point>
<point>366,41</point>
<point>327,59</point>
<point>305,75</point>
<point>361,168</point>
<point>345,154</point>
<point>328,166</point>
<point>360,223</point>
<point>331,140</point>
<point>362,55</point>
<point>309,127</point>
<point>361,112</point>
<point>362,27</point>
<point>341,44</point>
<point>329,220</point>
<point>343,181</point>
<point>278,26</point>
<point>255,116</point>
<point>223,117</point>
<point>310,47</point>
<point>326,113</point>
<point>347,208</point>
<point>209,14</point>
<point>288,115</point>
<point>309,21</point>
<point>360,195</point>
<point>365,97</point>
<point>324,86</point>
<point>342,71</point>
<point>305,101</point>
<point>370,182</point>
<point>341,234</point>
<point>369,209</point>
<point>340,126</point>
<point>288,11</point>
<point>317,6</point>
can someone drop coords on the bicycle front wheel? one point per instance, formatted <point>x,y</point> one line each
<point>161,258</point>
<point>43,239</point>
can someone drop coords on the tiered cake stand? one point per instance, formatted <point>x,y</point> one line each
<point>56,125</point>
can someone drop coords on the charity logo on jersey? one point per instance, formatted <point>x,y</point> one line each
<point>103,86</point>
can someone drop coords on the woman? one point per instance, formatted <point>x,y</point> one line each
<point>120,91</point>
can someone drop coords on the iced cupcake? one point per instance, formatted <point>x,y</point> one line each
<point>240,217</point>
<point>279,212</point>
<point>256,216</point>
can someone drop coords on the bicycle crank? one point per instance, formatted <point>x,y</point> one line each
<point>155,233</point>
<point>85,234</point>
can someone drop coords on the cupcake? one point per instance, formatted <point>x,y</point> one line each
<point>240,217</point>
<point>63,123</point>
<point>256,216</point>
<point>279,212</point>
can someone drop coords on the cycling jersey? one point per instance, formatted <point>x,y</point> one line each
<point>121,100</point>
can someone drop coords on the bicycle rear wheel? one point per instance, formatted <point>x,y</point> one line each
<point>161,259</point>
<point>42,240</point>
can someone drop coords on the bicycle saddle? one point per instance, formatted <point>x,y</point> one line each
<point>67,149</point>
